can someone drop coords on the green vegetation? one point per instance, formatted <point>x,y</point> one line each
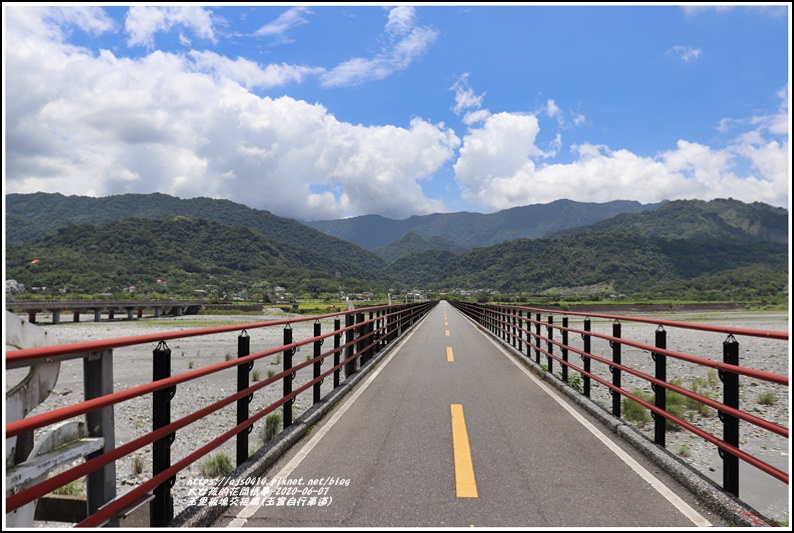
<point>684,450</point>
<point>271,372</point>
<point>272,427</point>
<point>256,375</point>
<point>216,466</point>
<point>634,411</point>
<point>73,488</point>
<point>767,398</point>
<point>723,250</point>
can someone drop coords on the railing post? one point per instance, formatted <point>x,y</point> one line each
<point>660,393</point>
<point>360,340</point>
<point>288,352</point>
<point>615,372</point>
<point>337,351</point>
<point>98,380</point>
<point>586,340</point>
<point>317,364</point>
<point>564,350</point>
<point>350,367</point>
<point>520,327</point>
<point>549,345</point>
<point>513,336</point>
<point>537,337</point>
<point>243,381</point>
<point>730,431</point>
<point>161,510</point>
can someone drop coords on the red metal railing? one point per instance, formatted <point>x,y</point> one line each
<point>514,325</point>
<point>364,337</point>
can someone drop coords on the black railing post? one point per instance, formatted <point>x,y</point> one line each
<point>660,393</point>
<point>337,351</point>
<point>288,377</point>
<point>513,337</point>
<point>586,340</point>
<point>616,396</point>
<point>550,345</point>
<point>537,337</point>
<point>318,362</point>
<point>243,370</point>
<point>730,431</point>
<point>564,350</point>
<point>350,368</point>
<point>161,509</point>
<point>520,327</point>
<point>360,340</point>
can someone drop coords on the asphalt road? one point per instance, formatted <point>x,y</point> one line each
<point>398,456</point>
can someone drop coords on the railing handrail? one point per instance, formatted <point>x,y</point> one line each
<point>745,332</point>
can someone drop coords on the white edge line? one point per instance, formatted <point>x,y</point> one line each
<point>685,509</point>
<point>248,511</point>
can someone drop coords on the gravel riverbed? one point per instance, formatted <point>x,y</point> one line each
<point>133,366</point>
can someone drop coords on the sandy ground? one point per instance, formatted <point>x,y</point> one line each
<point>132,366</point>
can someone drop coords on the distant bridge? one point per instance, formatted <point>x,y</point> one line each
<point>131,307</point>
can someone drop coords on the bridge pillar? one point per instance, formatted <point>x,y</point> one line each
<point>56,317</point>
<point>111,314</point>
<point>178,311</point>
<point>130,311</point>
<point>97,315</point>
<point>32,317</point>
<point>157,312</point>
<point>76,316</point>
<point>140,312</point>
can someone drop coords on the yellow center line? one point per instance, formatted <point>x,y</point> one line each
<point>446,332</point>
<point>450,356</point>
<point>465,485</point>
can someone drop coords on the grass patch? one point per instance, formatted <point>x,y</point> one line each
<point>272,427</point>
<point>684,450</point>
<point>767,398</point>
<point>634,411</point>
<point>216,466</point>
<point>271,372</point>
<point>229,356</point>
<point>73,488</point>
<point>256,375</point>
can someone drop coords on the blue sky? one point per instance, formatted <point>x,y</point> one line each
<point>318,112</point>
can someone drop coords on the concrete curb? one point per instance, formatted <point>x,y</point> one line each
<point>204,516</point>
<point>711,495</point>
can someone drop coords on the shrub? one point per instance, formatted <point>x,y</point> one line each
<point>272,427</point>
<point>767,398</point>
<point>255,375</point>
<point>217,466</point>
<point>635,412</point>
<point>137,464</point>
<point>684,450</point>
<point>271,372</point>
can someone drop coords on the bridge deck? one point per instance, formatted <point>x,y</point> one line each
<point>534,464</point>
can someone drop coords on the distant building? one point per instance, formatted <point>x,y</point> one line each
<point>13,285</point>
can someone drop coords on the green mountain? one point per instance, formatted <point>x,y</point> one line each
<point>471,230</point>
<point>44,213</point>
<point>412,243</point>
<point>186,254</point>
<point>697,220</point>
<point>629,262</point>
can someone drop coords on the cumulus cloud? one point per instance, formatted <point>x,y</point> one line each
<point>500,167</point>
<point>187,125</point>
<point>143,22</point>
<point>686,53</point>
<point>406,42</point>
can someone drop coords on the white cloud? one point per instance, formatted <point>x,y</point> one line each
<point>186,125</point>
<point>401,20</point>
<point>142,22</point>
<point>248,73</point>
<point>295,16</point>
<point>406,43</point>
<point>465,98</point>
<point>686,53</point>
<point>498,168</point>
